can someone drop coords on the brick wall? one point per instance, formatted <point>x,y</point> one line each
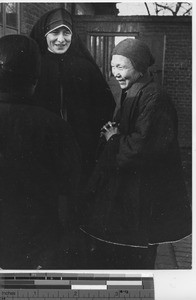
<point>31,12</point>
<point>178,55</point>
<point>178,51</point>
<point>178,76</point>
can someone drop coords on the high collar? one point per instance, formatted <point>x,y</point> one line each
<point>58,57</point>
<point>137,86</point>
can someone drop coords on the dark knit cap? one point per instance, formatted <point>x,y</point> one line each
<point>138,53</point>
<point>57,18</point>
<point>19,60</point>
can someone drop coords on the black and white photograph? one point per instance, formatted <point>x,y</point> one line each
<point>95,136</point>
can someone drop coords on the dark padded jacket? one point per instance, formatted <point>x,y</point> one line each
<point>39,160</point>
<point>137,194</point>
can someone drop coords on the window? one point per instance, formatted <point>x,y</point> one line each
<point>1,14</point>
<point>1,20</point>
<point>9,18</point>
<point>100,45</point>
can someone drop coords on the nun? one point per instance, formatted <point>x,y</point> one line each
<point>71,84</point>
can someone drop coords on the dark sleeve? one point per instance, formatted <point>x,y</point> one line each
<point>151,137</point>
<point>93,107</point>
<point>96,93</point>
<point>65,157</point>
<point>103,97</point>
<point>154,132</point>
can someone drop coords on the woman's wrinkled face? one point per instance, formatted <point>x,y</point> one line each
<point>124,71</point>
<point>59,40</point>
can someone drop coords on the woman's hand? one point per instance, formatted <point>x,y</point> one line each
<point>109,129</point>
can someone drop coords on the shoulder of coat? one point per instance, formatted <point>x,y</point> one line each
<point>152,95</point>
<point>152,90</point>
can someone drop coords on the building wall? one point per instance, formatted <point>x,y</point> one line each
<point>178,50</point>
<point>31,12</point>
<point>83,9</point>
<point>178,55</point>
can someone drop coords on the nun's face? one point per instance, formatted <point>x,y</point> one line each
<point>124,71</point>
<point>59,40</point>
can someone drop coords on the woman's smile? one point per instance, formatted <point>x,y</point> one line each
<point>60,45</point>
<point>59,40</point>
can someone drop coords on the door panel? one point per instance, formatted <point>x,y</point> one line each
<point>101,46</point>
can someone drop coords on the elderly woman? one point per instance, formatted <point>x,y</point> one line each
<point>71,84</point>
<point>137,196</point>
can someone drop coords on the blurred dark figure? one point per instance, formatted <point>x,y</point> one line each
<point>39,160</point>
<point>71,84</point>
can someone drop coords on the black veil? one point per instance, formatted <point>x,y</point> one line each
<point>77,48</point>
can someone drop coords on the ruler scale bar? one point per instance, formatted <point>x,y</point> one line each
<point>85,295</point>
<point>70,276</point>
<point>42,286</point>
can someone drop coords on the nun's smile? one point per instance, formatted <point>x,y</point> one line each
<point>59,40</point>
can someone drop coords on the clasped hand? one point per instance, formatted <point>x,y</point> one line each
<point>109,129</point>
